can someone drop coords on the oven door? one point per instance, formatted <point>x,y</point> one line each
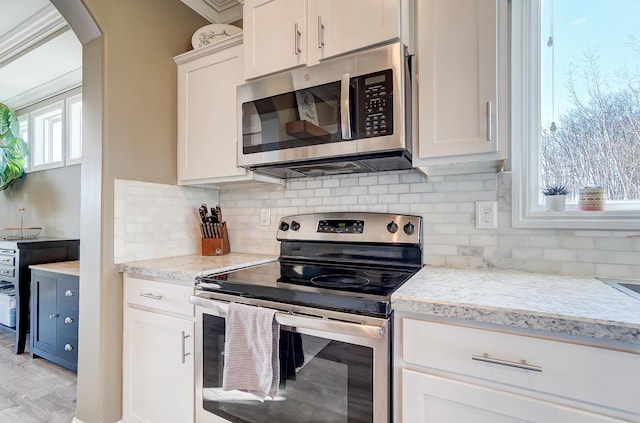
<point>331,370</point>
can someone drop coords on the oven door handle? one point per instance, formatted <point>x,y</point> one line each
<point>304,322</point>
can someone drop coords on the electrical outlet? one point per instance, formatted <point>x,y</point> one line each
<point>265,217</point>
<point>486,214</point>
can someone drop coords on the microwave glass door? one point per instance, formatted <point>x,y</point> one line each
<point>318,377</point>
<point>294,119</point>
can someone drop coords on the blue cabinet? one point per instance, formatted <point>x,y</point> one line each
<point>54,315</point>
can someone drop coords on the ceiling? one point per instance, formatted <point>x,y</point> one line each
<point>39,54</point>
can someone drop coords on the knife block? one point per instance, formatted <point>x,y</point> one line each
<point>216,246</point>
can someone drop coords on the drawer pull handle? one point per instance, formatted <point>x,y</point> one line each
<point>184,347</point>
<point>68,347</point>
<point>485,358</point>
<point>68,293</point>
<point>150,295</point>
<point>7,260</point>
<point>3,251</point>
<point>68,320</point>
<point>53,316</point>
<point>6,271</point>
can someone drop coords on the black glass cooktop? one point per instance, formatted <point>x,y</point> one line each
<point>363,289</point>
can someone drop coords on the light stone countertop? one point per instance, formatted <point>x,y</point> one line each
<point>71,268</point>
<point>184,269</point>
<point>585,307</point>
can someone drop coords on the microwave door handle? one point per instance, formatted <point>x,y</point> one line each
<point>345,107</point>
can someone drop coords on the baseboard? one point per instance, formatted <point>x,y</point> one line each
<point>76,420</point>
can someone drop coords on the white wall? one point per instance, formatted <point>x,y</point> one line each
<point>447,205</point>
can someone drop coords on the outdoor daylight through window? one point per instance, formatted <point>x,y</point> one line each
<point>576,110</point>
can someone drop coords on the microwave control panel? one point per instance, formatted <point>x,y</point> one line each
<point>375,101</point>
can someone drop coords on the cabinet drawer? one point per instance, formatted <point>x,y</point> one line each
<point>7,272</point>
<point>163,296</point>
<point>67,348</point>
<point>7,260</point>
<point>591,374</point>
<point>67,294</point>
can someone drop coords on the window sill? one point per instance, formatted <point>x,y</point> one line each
<point>575,219</point>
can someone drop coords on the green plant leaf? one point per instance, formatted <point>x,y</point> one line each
<point>13,148</point>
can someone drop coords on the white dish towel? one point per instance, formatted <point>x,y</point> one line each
<point>251,350</point>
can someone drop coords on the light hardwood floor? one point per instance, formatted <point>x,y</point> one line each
<point>33,390</point>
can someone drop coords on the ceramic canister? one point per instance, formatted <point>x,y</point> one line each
<point>592,198</point>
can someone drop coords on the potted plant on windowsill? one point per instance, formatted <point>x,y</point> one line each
<point>555,197</point>
<point>13,149</point>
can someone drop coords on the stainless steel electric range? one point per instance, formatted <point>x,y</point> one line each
<point>332,287</point>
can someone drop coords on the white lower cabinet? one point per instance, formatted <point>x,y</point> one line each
<point>433,399</point>
<point>158,346</point>
<point>445,372</point>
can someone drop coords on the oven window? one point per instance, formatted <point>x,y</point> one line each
<point>321,380</point>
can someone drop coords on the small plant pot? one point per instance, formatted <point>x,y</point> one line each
<point>555,202</point>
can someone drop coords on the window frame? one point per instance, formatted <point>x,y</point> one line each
<point>62,101</point>
<point>526,77</point>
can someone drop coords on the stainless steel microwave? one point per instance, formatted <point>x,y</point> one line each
<point>349,114</point>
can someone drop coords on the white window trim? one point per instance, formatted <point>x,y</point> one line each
<point>525,118</point>
<point>62,99</point>
<point>68,102</point>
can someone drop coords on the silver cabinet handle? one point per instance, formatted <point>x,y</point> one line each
<point>68,293</point>
<point>53,316</point>
<point>68,347</point>
<point>150,295</point>
<point>345,107</point>
<point>68,320</point>
<point>485,358</point>
<point>6,271</point>
<point>320,32</point>
<point>296,43</point>
<point>489,122</point>
<point>184,347</point>
<point>6,260</point>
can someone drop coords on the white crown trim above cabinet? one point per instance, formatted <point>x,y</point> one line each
<point>207,115</point>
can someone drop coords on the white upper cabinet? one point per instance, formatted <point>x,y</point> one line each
<point>342,26</point>
<point>275,36</point>
<point>207,115</point>
<point>282,34</point>
<point>462,85</point>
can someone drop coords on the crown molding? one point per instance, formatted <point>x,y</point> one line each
<point>56,86</point>
<point>30,33</point>
<point>217,11</point>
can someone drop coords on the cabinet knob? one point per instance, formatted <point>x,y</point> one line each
<point>53,316</point>
<point>69,293</point>
<point>68,347</point>
<point>68,319</point>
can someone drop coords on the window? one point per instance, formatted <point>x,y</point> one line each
<point>576,110</point>
<point>53,132</point>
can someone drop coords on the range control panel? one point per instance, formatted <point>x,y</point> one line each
<point>351,227</point>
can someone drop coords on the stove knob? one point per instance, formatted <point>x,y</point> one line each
<point>284,226</point>
<point>409,228</point>
<point>392,227</point>
<point>295,225</point>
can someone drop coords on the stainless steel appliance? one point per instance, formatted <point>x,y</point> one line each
<point>349,114</point>
<point>331,287</point>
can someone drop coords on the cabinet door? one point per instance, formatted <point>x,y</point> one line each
<point>432,399</point>
<point>275,36</point>
<point>458,71</point>
<point>158,383</point>
<point>207,123</point>
<point>45,313</point>
<point>346,26</point>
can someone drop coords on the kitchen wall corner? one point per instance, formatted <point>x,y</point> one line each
<point>155,220</point>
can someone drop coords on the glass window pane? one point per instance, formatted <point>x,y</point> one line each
<point>74,130</point>
<point>590,102</point>
<point>46,144</point>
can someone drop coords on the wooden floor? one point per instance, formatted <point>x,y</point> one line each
<point>33,390</point>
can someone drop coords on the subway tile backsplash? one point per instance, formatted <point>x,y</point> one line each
<point>447,205</point>
<point>155,221</point>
